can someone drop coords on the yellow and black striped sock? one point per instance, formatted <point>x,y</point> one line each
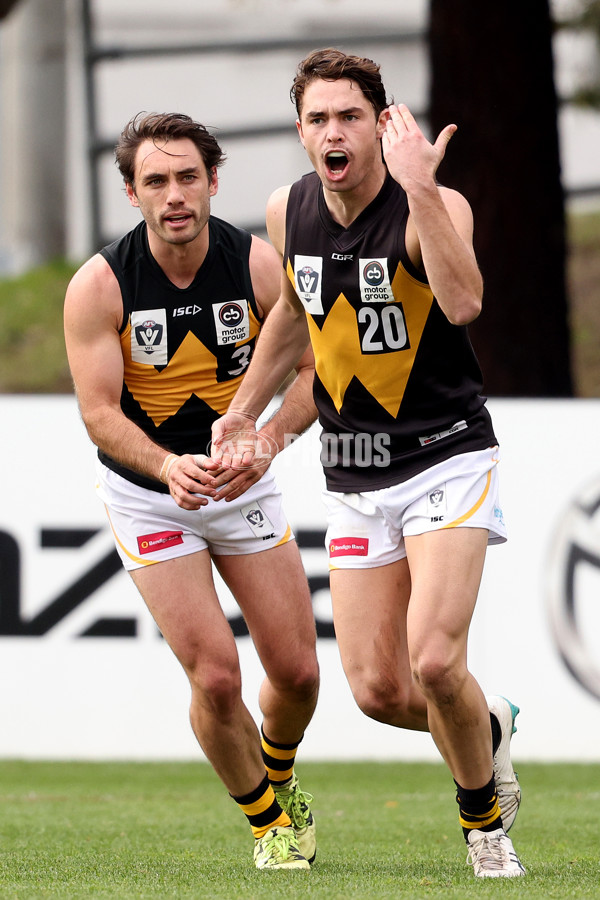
<point>262,809</point>
<point>479,808</point>
<point>278,759</point>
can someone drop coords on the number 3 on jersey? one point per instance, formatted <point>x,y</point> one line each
<point>382,329</point>
<point>233,361</point>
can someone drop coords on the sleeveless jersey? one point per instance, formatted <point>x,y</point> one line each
<point>397,386</point>
<point>185,351</point>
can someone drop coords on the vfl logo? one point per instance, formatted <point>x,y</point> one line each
<point>149,335</point>
<point>308,275</point>
<point>256,518</point>
<point>231,314</point>
<point>436,505</point>
<point>374,273</point>
<point>308,281</point>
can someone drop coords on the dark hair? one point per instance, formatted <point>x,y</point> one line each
<point>331,65</point>
<point>164,127</point>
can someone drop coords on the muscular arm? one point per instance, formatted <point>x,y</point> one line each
<point>283,345</point>
<point>92,317</point>
<point>439,234</point>
<point>297,410</point>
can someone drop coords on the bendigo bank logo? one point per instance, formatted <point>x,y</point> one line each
<point>350,546</point>
<point>162,540</point>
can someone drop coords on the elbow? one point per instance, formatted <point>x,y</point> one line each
<point>465,311</point>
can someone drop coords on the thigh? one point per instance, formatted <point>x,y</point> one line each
<point>446,568</point>
<point>182,599</point>
<point>272,592</point>
<point>369,613</point>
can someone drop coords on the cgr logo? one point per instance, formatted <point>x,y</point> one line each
<point>231,315</point>
<point>373,273</point>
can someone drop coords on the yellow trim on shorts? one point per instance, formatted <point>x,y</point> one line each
<point>135,559</point>
<point>287,536</point>
<point>474,508</point>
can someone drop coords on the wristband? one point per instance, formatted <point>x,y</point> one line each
<point>166,467</point>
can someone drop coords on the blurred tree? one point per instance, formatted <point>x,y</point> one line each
<point>492,74</point>
<point>585,17</point>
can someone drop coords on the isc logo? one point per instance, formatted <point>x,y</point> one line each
<point>186,310</point>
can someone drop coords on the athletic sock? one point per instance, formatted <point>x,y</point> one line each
<point>496,732</point>
<point>479,808</point>
<point>262,809</point>
<point>278,760</point>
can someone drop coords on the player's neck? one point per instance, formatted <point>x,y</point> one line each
<point>346,206</point>
<point>180,262</point>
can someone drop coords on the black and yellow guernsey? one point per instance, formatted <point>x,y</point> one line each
<point>397,387</point>
<point>186,350</point>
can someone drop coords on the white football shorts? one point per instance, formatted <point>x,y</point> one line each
<point>149,527</point>
<point>367,529</point>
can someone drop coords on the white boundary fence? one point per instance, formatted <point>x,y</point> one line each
<point>535,635</point>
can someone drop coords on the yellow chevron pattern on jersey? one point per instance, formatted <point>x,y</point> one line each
<point>191,370</point>
<point>337,350</point>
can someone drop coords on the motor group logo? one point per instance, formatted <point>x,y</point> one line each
<point>375,284</point>
<point>373,273</point>
<point>573,588</point>
<point>232,321</point>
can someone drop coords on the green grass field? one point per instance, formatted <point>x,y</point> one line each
<point>160,830</point>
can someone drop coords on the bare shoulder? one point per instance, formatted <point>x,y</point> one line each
<point>276,210</point>
<point>265,272</point>
<point>94,285</point>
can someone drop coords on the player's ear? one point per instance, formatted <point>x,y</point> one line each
<point>300,134</point>
<point>383,119</point>
<point>131,193</point>
<point>213,181</point>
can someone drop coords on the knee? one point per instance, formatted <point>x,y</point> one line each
<point>439,677</point>
<point>384,699</point>
<point>217,690</point>
<point>301,681</point>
